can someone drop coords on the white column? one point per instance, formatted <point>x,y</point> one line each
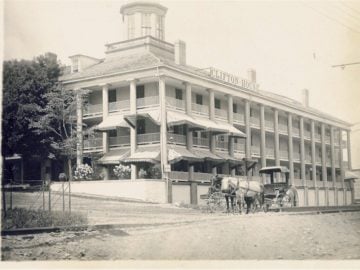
<point>313,161</point>
<point>291,151</point>
<point>79,128</point>
<point>105,103</point>
<point>163,127</point>
<point>262,139</point>
<point>133,129</point>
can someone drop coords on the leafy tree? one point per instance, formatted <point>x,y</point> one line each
<point>25,83</point>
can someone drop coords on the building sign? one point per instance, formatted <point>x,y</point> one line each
<point>229,78</point>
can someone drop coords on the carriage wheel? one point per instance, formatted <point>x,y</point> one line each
<point>216,202</point>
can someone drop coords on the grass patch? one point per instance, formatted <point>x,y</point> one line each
<point>24,218</point>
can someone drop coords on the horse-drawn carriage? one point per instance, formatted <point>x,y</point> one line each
<point>246,195</point>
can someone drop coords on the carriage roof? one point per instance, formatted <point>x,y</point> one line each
<point>272,169</point>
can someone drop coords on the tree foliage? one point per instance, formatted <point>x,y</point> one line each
<point>25,85</point>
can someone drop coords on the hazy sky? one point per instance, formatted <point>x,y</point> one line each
<point>291,44</point>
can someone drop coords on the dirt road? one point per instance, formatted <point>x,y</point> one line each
<point>232,237</point>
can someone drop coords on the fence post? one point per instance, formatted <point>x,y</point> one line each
<point>69,197</point>
<point>43,193</point>
<point>49,196</point>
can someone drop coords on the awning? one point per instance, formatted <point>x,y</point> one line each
<point>350,175</point>
<point>231,130</point>
<point>153,115</point>
<point>145,155</point>
<point>206,154</point>
<point>272,169</point>
<point>227,157</point>
<point>177,153</point>
<point>114,156</point>
<point>176,118</point>
<point>112,122</point>
<point>219,127</point>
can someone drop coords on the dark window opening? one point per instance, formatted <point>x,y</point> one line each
<point>199,99</point>
<point>140,91</point>
<point>112,95</point>
<point>178,94</point>
<point>140,126</point>
<point>235,108</point>
<point>217,103</point>
<point>113,133</point>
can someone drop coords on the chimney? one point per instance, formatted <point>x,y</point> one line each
<point>180,52</point>
<point>252,75</point>
<point>305,97</point>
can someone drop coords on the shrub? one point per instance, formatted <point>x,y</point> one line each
<point>25,218</point>
<point>122,171</point>
<point>83,172</point>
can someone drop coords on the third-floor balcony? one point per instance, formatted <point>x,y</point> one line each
<point>221,114</point>
<point>269,125</point>
<point>239,147</point>
<point>174,103</point>
<point>200,109</point>
<point>118,106</point>
<point>270,152</point>
<point>283,129</point>
<point>295,132</point>
<point>119,141</point>
<point>284,154</point>
<point>145,102</point>
<point>254,122</point>
<point>238,118</point>
<point>222,145</point>
<point>255,150</point>
<point>201,142</point>
<point>148,138</point>
<point>296,156</point>
<point>307,135</point>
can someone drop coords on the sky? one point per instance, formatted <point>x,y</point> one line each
<point>291,44</point>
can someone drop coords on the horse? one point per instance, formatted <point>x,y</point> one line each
<point>243,191</point>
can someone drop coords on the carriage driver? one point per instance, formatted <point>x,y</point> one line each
<point>215,184</point>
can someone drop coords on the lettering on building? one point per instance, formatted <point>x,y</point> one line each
<point>230,78</point>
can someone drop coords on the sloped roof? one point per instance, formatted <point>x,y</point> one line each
<point>116,64</point>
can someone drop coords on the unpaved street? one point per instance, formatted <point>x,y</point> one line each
<point>257,236</point>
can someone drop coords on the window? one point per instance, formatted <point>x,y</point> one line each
<point>113,133</point>
<point>140,126</point>
<point>199,99</point>
<point>76,65</point>
<point>217,103</point>
<point>112,95</point>
<point>235,108</point>
<point>178,94</point>
<point>140,91</point>
<point>131,26</point>
<point>146,24</point>
<point>160,27</point>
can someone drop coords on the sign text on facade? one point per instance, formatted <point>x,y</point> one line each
<point>229,78</point>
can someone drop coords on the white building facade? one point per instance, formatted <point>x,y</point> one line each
<point>177,125</point>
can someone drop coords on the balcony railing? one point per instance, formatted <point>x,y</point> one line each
<point>254,122</point>
<point>307,159</point>
<point>148,138</point>
<point>269,125</point>
<point>200,109</point>
<point>239,147</point>
<point>118,106</point>
<point>284,154</point>
<point>255,150</point>
<point>222,114</point>
<point>283,129</point>
<point>298,182</point>
<point>147,102</point>
<point>270,152</point>
<point>318,160</point>
<point>176,138</point>
<point>222,144</point>
<point>317,137</point>
<point>307,135</point>
<point>201,142</point>
<point>94,144</point>
<point>179,176</point>
<point>296,156</point>
<point>178,104</point>
<point>327,140</point>
<point>92,110</point>
<point>238,118</point>
<point>119,141</point>
<point>203,177</point>
<point>296,132</point>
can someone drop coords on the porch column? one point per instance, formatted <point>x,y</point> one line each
<point>231,138</point>
<point>333,171</point>
<point>79,127</point>
<point>105,134</point>
<point>349,150</point>
<point>262,140</point>
<point>188,110</point>
<point>276,137</point>
<point>248,133</point>
<point>323,163</point>
<point>163,128</point>
<point>313,161</point>
<point>302,161</point>
<point>133,142</point>
<point>342,169</point>
<point>291,151</point>
<point>211,104</point>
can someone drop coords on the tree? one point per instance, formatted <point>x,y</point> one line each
<point>24,84</point>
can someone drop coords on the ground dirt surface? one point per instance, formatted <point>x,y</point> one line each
<point>154,231</point>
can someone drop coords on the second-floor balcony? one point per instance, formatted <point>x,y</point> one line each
<point>176,139</point>
<point>200,109</point>
<point>270,152</point>
<point>296,156</point>
<point>119,141</point>
<point>317,137</point>
<point>308,159</point>
<point>118,106</point>
<point>296,132</point>
<point>145,102</point>
<point>238,118</point>
<point>93,144</point>
<point>201,142</point>
<point>92,110</point>
<point>221,114</point>
<point>327,139</point>
<point>255,150</point>
<point>239,147</point>
<point>148,138</point>
<point>223,145</point>
<point>284,154</point>
<point>307,135</point>
<point>283,129</point>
